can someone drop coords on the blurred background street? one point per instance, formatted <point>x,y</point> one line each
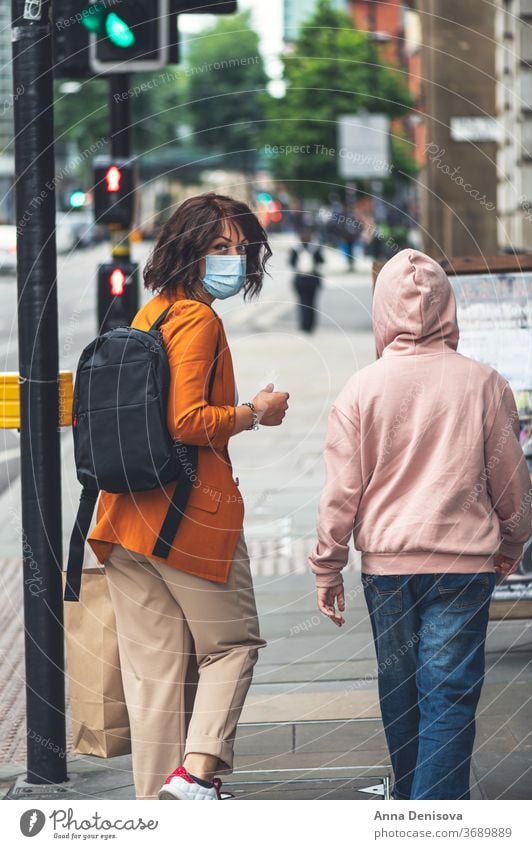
<point>351,127</point>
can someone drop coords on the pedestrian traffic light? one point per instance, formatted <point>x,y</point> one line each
<point>117,281</point>
<point>127,35</point>
<point>118,294</point>
<point>114,185</point>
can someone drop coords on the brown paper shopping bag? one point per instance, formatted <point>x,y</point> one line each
<point>100,724</point>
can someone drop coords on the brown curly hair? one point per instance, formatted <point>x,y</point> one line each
<point>184,239</point>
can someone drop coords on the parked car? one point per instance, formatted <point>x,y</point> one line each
<point>85,230</point>
<point>65,237</point>
<point>8,249</point>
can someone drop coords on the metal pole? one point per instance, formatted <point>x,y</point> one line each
<point>39,392</point>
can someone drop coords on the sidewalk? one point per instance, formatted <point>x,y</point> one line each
<point>313,702</point>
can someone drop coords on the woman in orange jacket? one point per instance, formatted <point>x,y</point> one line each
<point>199,601</point>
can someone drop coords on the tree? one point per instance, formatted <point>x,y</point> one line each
<point>155,99</point>
<point>226,81</point>
<point>81,117</point>
<point>158,109</point>
<point>333,70</point>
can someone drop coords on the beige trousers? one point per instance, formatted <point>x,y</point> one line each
<point>166,618</point>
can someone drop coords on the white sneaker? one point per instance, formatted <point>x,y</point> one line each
<point>180,785</point>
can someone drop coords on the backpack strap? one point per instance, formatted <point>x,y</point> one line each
<point>158,321</point>
<point>157,324</point>
<point>87,502</point>
<point>183,486</point>
<point>178,504</point>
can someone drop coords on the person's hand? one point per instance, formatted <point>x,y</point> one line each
<point>271,406</point>
<point>327,598</point>
<point>505,566</point>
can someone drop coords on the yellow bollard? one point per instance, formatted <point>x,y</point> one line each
<point>10,399</point>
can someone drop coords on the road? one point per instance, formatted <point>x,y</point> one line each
<point>345,305</point>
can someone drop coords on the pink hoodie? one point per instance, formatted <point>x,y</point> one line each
<point>424,465</point>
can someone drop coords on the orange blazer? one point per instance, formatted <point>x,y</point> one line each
<point>207,536</point>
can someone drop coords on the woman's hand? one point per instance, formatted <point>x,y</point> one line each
<point>271,406</point>
<point>327,598</point>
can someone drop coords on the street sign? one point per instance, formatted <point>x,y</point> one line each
<point>363,146</point>
<point>494,312</point>
<point>476,128</point>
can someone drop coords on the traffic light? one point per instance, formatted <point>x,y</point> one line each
<point>127,35</point>
<point>77,198</point>
<point>118,36</point>
<point>118,294</point>
<point>113,192</point>
<point>70,40</point>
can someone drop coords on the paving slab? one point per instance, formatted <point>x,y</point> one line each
<point>504,775</point>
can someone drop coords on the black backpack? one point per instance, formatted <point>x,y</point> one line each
<point>121,437</point>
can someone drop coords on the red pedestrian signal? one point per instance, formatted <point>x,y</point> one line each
<point>113,178</point>
<point>113,192</point>
<point>118,294</point>
<point>117,281</point>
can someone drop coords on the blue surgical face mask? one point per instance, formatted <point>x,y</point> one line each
<point>224,275</point>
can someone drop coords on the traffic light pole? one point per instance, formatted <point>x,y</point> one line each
<point>120,117</point>
<point>40,466</point>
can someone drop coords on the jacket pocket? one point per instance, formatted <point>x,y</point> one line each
<point>205,497</point>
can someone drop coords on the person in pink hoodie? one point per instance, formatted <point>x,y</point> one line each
<point>426,473</point>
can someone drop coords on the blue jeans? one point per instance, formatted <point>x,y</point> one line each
<point>429,632</point>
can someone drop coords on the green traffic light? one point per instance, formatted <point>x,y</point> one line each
<point>92,17</point>
<point>77,199</point>
<point>118,31</point>
<point>98,20</point>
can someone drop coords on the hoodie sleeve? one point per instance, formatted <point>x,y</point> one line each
<point>340,498</point>
<point>508,478</point>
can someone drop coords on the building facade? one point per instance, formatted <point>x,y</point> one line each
<point>295,12</point>
<point>458,181</point>
<point>514,112</point>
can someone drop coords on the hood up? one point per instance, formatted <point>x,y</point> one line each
<point>414,308</point>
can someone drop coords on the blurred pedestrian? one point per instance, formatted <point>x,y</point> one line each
<point>306,259</point>
<point>197,604</point>
<point>426,472</point>
<point>349,235</point>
